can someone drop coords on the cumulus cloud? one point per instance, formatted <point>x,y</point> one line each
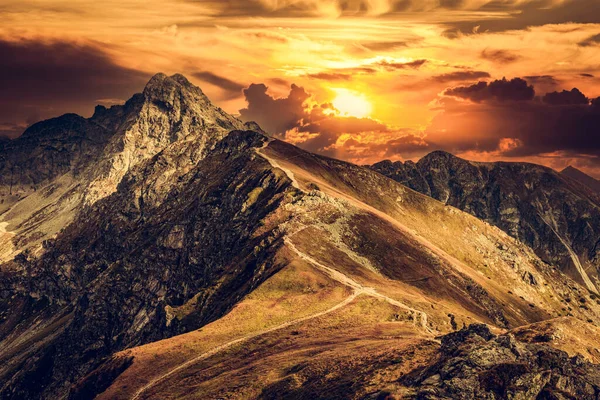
<point>573,97</point>
<point>563,122</point>
<point>502,90</point>
<point>314,126</point>
<point>276,116</point>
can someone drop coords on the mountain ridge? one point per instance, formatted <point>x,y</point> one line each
<point>197,238</point>
<point>550,212</point>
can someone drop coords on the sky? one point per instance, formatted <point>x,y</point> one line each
<point>359,80</point>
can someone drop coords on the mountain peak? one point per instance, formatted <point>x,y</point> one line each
<point>440,154</point>
<point>570,168</point>
<point>582,178</point>
<point>161,85</point>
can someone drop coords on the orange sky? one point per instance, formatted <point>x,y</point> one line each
<point>398,57</point>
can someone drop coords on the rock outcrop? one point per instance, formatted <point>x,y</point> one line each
<point>474,363</point>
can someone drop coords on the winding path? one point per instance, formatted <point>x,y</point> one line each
<point>357,288</point>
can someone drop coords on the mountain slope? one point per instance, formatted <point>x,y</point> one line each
<point>199,259</point>
<point>373,237</point>
<point>555,215</point>
<point>582,178</point>
<point>58,167</point>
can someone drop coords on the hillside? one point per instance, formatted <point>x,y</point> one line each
<point>558,217</point>
<point>582,178</point>
<point>207,260</point>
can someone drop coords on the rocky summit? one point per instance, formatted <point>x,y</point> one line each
<point>163,249</point>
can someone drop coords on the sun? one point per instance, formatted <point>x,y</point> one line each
<point>352,104</point>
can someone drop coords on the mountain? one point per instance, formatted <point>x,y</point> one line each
<point>582,178</point>
<point>201,258</point>
<point>554,214</point>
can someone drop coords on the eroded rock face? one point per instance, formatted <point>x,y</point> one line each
<point>476,364</point>
<point>60,166</point>
<point>555,215</point>
<point>120,276</point>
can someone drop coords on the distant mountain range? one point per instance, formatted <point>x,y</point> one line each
<point>164,249</point>
<point>557,214</point>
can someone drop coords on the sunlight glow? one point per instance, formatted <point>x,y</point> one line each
<point>352,104</point>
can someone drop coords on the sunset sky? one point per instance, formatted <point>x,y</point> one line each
<point>356,80</point>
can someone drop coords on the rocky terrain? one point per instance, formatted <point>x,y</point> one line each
<point>558,216</point>
<point>474,363</point>
<point>187,254</point>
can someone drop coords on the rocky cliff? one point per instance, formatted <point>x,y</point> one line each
<point>554,214</point>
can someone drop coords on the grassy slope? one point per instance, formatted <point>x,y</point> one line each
<point>380,235</point>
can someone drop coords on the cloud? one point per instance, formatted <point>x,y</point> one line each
<point>591,41</point>
<point>452,4</point>
<point>396,65</point>
<point>519,15</point>
<point>573,97</point>
<point>232,89</point>
<point>500,56</point>
<point>331,76</point>
<point>502,90</point>
<point>302,121</point>
<point>383,46</point>
<point>276,116</point>
<point>564,123</point>
<point>41,79</point>
<point>461,76</point>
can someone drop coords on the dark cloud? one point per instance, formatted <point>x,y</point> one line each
<point>565,97</point>
<point>232,89</point>
<point>586,75</point>
<point>559,123</point>
<point>502,90</point>
<point>41,79</point>
<point>276,116</point>
<point>591,41</point>
<point>521,15</point>
<point>500,56</point>
<point>256,8</point>
<point>461,76</point>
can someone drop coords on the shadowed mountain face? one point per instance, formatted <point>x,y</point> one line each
<point>556,215</point>
<point>163,249</point>
<point>582,178</point>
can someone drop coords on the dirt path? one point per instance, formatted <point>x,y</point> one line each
<point>357,288</point>
<point>346,280</point>
<point>227,345</point>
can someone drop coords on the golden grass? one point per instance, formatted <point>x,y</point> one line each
<point>297,291</point>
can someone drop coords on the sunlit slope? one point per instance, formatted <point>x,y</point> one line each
<point>449,256</point>
<point>374,272</point>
